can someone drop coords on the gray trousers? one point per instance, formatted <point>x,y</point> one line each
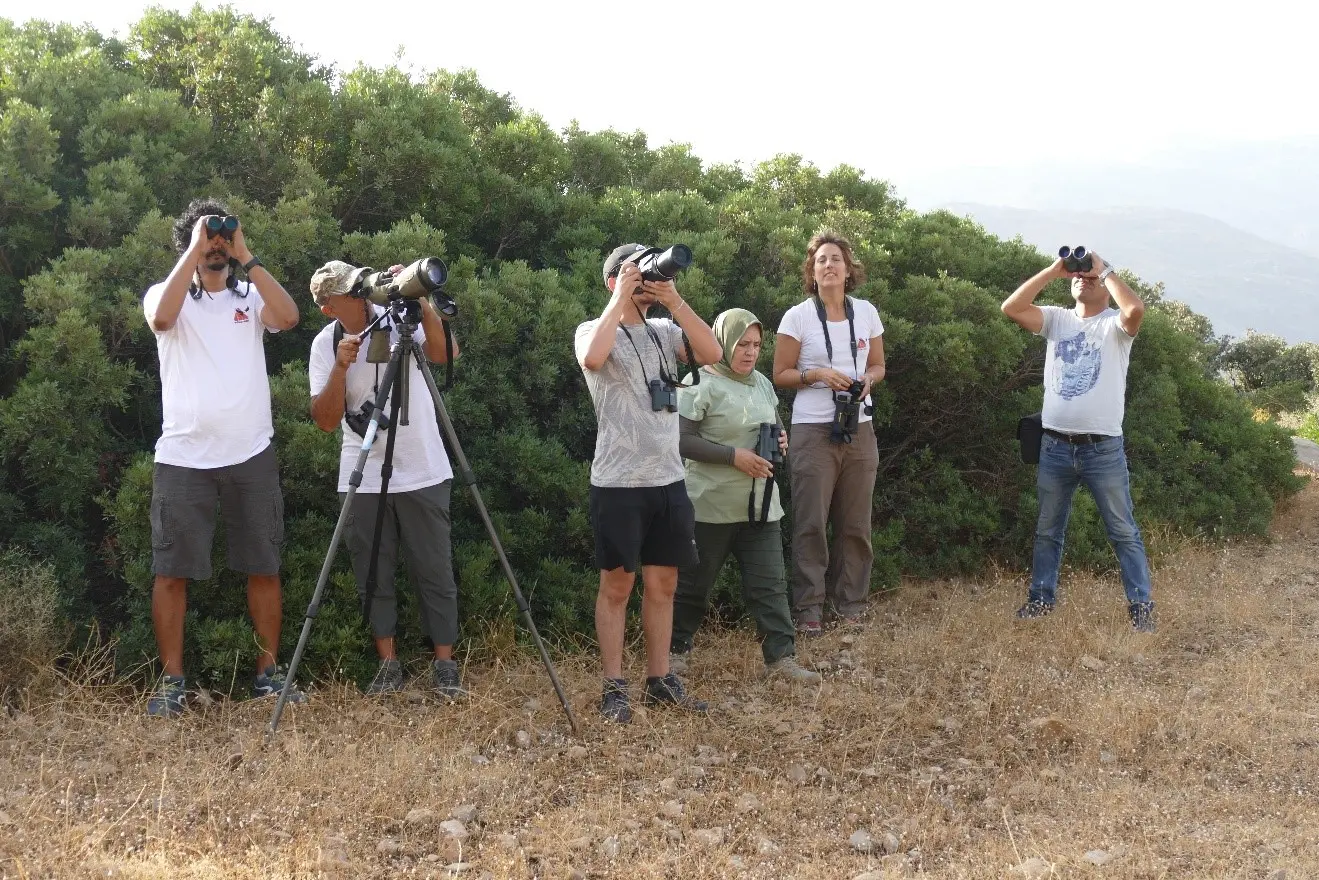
<point>833,485</point>
<point>420,520</point>
<point>758,549</point>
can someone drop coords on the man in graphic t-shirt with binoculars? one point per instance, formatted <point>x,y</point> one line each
<point>1085,383</point>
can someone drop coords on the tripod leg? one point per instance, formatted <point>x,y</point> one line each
<point>469,478</point>
<point>386,471</point>
<point>353,482</point>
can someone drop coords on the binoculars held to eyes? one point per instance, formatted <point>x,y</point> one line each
<point>1076,259</point>
<point>225,226</point>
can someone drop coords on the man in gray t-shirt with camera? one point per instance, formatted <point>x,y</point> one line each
<point>640,512</point>
<point>1085,380</point>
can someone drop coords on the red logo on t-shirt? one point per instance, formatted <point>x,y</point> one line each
<point>240,316</point>
<point>860,344</point>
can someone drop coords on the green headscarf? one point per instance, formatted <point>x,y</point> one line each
<point>729,328</point>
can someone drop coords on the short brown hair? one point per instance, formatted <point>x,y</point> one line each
<point>856,272</point>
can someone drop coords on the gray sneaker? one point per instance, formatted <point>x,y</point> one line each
<point>388,678</point>
<point>169,698</point>
<point>680,662</point>
<point>789,669</point>
<point>445,679</point>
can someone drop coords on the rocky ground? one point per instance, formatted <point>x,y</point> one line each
<point>948,741</point>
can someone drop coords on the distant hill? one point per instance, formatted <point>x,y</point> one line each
<point>1270,189</point>
<point>1238,280</point>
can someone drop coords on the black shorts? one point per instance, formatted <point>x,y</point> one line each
<point>650,525</point>
<point>183,507</point>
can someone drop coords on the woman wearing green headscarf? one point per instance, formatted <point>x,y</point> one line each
<point>732,489</point>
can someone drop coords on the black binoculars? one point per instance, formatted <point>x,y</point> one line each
<point>225,227</point>
<point>1076,259</point>
<point>358,421</point>
<point>663,395</point>
<point>767,444</point>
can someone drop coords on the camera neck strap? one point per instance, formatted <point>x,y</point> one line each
<point>851,331</point>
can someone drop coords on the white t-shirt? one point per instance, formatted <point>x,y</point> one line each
<point>420,459</point>
<point>1085,371</point>
<point>215,394</point>
<point>815,405</point>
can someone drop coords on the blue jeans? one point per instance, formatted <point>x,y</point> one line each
<point>1102,468</point>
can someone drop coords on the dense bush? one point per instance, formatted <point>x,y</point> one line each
<point>103,140</point>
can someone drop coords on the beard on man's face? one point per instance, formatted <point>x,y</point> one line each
<point>216,260</point>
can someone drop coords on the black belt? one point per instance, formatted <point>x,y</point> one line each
<point>1077,438</point>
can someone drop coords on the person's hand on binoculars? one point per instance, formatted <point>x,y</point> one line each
<point>238,246</point>
<point>835,379</point>
<point>346,356</point>
<point>783,443</point>
<point>752,465</point>
<point>1059,269</point>
<point>867,382</point>
<point>1097,265</point>
<point>203,243</point>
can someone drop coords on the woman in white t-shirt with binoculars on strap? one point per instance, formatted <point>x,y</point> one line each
<point>830,347</point>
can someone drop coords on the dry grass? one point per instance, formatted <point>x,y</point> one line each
<point>1190,753</point>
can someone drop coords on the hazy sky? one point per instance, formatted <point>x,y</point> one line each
<point>899,89</point>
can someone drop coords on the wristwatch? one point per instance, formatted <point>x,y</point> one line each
<point>252,264</point>
<point>1108,270</point>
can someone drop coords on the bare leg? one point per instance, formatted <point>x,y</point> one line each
<point>169,603</point>
<point>385,648</point>
<point>263,603</point>
<point>660,582</point>
<point>611,618</point>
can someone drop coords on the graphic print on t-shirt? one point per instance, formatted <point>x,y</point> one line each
<point>1077,365</point>
<point>240,316</point>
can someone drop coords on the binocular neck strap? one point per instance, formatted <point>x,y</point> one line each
<point>337,337</point>
<point>851,330</point>
<point>764,504</point>
<point>665,375</point>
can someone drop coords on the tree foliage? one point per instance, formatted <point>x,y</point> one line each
<point>103,140</point>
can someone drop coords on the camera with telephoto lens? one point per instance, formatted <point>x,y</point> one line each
<point>661,264</point>
<point>359,420</point>
<point>225,226</point>
<point>663,395</point>
<point>767,444</point>
<point>426,276</point>
<point>1076,259</point>
<point>847,411</point>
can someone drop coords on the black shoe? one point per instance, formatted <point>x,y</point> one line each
<point>1142,616</point>
<point>614,703</point>
<point>1034,609</point>
<point>388,678</point>
<point>668,691</point>
<point>445,679</point>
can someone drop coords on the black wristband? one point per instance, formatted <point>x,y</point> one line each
<point>252,264</point>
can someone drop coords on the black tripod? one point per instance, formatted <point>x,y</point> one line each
<point>396,383</point>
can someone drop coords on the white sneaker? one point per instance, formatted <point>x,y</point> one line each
<point>679,662</point>
<point>788,668</point>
